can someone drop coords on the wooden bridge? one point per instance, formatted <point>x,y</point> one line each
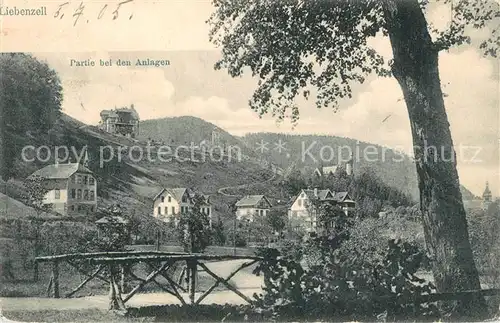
<point>114,267</point>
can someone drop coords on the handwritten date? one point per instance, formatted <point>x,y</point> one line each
<point>78,11</point>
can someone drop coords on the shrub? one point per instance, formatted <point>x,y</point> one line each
<point>342,284</point>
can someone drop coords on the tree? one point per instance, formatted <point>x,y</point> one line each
<point>299,48</point>
<point>294,183</point>
<point>31,95</point>
<point>114,228</point>
<point>194,228</point>
<point>219,236</point>
<point>277,220</point>
<point>37,190</point>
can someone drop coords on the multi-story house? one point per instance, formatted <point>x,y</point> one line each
<point>123,121</point>
<point>252,205</point>
<point>71,189</point>
<point>330,170</point>
<point>303,213</point>
<point>170,203</point>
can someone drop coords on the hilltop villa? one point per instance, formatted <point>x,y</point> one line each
<point>330,170</point>
<point>72,188</point>
<point>123,121</point>
<point>302,212</point>
<point>170,203</point>
<point>252,205</point>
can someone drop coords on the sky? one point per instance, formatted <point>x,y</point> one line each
<point>176,31</point>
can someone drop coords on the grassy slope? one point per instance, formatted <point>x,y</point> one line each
<point>128,182</point>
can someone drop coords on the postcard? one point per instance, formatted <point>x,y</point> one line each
<point>249,160</point>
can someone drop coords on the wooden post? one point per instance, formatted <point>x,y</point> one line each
<point>55,277</point>
<point>115,298</point>
<point>49,286</point>
<point>122,278</point>
<point>192,266</point>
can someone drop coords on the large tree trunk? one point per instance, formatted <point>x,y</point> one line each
<point>415,66</point>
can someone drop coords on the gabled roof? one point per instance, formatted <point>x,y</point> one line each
<point>329,169</point>
<point>60,171</point>
<point>176,193</point>
<point>326,170</point>
<point>342,197</point>
<point>252,200</point>
<point>322,194</point>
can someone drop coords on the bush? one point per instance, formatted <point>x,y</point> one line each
<point>345,286</point>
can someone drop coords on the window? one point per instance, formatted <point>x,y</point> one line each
<point>73,179</point>
<point>169,199</point>
<point>79,194</point>
<point>92,208</point>
<point>72,207</point>
<point>57,194</point>
<point>261,212</point>
<point>78,179</point>
<point>184,199</point>
<point>299,202</point>
<point>163,199</point>
<point>91,180</point>
<point>182,209</point>
<point>165,211</point>
<point>173,209</point>
<point>79,207</point>
<point>208,211</point>
<point>159,210</point>
<point>92,195</point>
<point>73,193</point>
<point>85,180</point>
<point>86,194</point>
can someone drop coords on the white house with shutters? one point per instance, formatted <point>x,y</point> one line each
<point>302,211</point>
<point>252,205</point>
<point>170,203</point>
<point>71,189</point>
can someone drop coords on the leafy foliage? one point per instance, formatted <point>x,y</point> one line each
<point>276,220</point>
<point>219,236</point>
<point>36,189</point>
<point>194,229</point>
<point>324,43</point>
<point>114,235</point>
<point>343,287</point>
<point>303,32</point>
<point>31,101</point>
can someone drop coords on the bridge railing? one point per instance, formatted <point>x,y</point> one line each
<point>119,265</point>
